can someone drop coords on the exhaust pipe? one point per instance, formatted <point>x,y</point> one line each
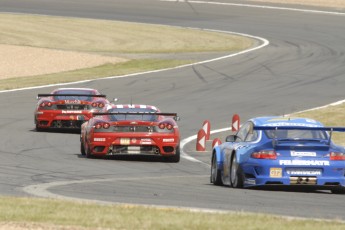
<point>157,151</point>
<point>59,124</point>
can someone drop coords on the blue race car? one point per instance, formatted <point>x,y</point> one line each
<point>280,151</point>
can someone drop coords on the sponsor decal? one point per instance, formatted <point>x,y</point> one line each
<point>71,111</point>
<point>72,101</point>
<point>304,162</point>
<point>134,140</point>
<point>166,140</point>
<point>146,141</point>
<point>276,172</point>
<point>303,154</point>
<point>98,139</point>
<point>304,172</point>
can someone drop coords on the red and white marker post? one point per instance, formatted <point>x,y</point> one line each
<point>206,126</point>
<point>235,123</point>
<point>201,141</point>
<point>216,142</point>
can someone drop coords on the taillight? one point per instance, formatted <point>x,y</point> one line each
<point>46,104</point>
<point>102,125</point>
<point>265,154</point>
<point>168,126</point>
<point>161,126</point>
<point>337,156</point>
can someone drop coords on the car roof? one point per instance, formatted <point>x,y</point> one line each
<point>285,121</point>
<point>134,106</point>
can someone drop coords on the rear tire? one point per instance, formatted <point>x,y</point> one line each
<point>176,157</point>
<point>236,174</point>
<point>338,190</point>
<point>216,178</point>
<point>82,148</point>
<point>88,152</point>
<point>38,129</point>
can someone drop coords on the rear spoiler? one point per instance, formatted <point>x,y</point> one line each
<point>329,129</point>
<point>174,115</point>
<point>69,95</point>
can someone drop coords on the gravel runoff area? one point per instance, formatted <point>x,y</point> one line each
<point>22,61</point>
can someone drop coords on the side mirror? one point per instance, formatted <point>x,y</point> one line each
<point>230,138</point>
<point>176,118</point>
<point>115,99</point>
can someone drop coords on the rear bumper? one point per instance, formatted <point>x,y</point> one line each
<point>145,144</point>
<point>59,119</point>
<point>269,173</point>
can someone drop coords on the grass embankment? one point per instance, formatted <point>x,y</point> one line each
<point>109,38</point>
<point>330,116</point>
<point>54,214</point>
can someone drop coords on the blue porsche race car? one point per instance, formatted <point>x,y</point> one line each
<point>280,151</point>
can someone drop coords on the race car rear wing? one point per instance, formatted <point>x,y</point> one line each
<point>331,129</point>
<point>69,95</point>
<point>174,115</point>
<point>328,129</point>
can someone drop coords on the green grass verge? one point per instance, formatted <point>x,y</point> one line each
<point>329,116</point>
<point>87,215</point>
<point>104,36</point>
<point>132,66</point>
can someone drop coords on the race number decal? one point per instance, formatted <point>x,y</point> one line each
<point>276,172</point>
<point>125,141</point>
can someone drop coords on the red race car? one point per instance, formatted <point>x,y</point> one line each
<point>131,130</point>
<point>67,108</point>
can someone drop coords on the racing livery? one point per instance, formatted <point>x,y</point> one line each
<point>131,130</point>
<point>67,107</point>
<point>280,151</point>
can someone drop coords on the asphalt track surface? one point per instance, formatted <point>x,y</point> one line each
<point>302,67</point>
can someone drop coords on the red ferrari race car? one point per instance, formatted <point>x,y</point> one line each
<point>67,108</point>
<point>131,130</point>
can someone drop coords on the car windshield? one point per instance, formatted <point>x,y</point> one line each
<point>82,92</point>
<point>143,116</point>
<point>296,134</point>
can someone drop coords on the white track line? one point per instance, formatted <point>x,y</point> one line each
<point>258,6</point>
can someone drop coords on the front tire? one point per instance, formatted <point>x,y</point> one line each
<point>236,174</point>
<point>216,178</point>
